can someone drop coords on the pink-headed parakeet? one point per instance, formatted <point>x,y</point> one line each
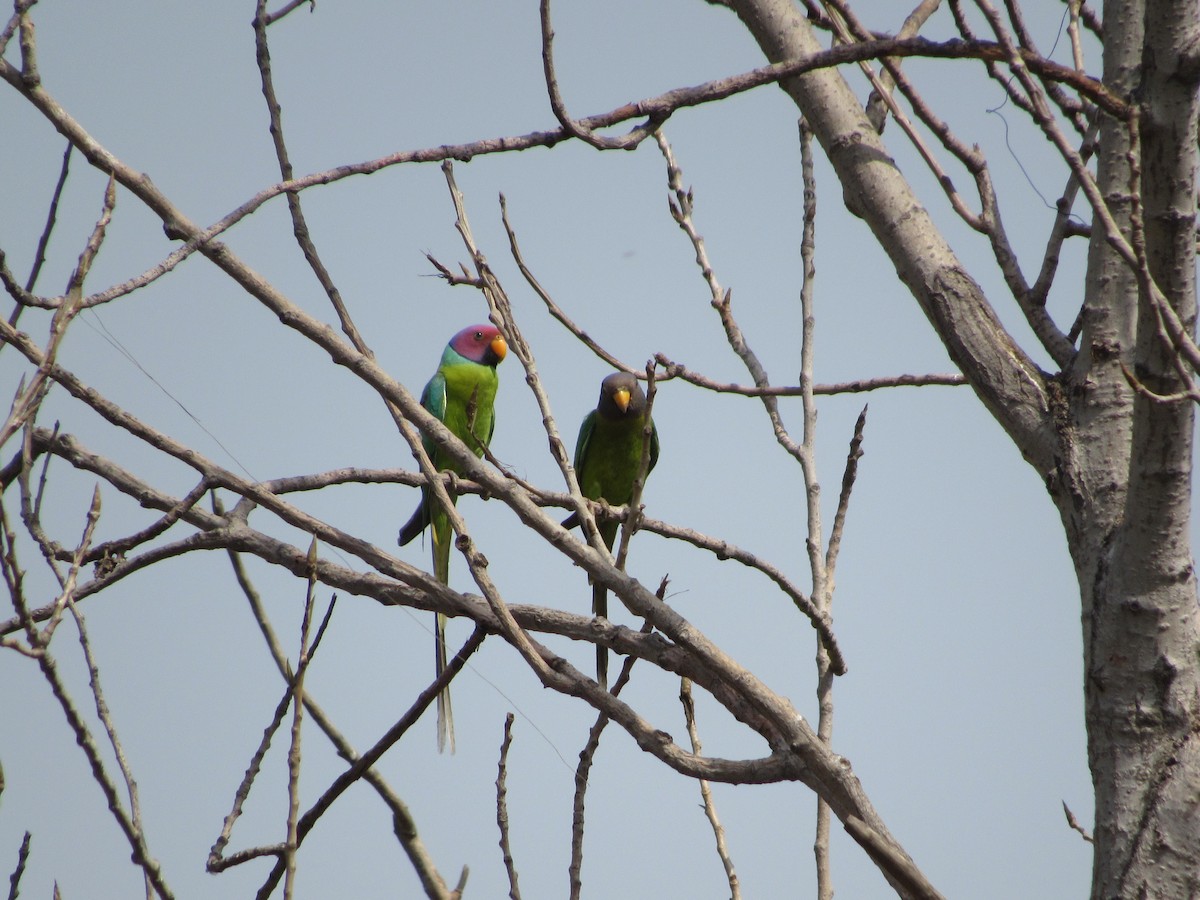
<point>461,395</point>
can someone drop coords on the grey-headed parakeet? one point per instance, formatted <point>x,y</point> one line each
<point>608,454</point>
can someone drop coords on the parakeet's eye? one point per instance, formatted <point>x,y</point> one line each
<point>479,335</point>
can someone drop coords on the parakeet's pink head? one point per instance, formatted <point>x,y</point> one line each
<point>481,344</point>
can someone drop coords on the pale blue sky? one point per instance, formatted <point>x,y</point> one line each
<point>956,604</point>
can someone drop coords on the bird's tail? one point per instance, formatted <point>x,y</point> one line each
<point>600,610</point>
<point>442,535</point>
<point>608,534</point>
<point>416,524</point>
<point>445,714</point>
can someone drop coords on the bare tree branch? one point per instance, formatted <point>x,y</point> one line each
<point>660,107</point>
<point>14,880</point>
<point>292,843</point>
<point>83,737</point>
<point>28,399</point>
<point>899,868</point>
<point>23,295</point>
<point>678,370</point>
<point>272,18</point>
<point>710,806</point>
<point>403,822</point>
<point>912,25</point>
<point>1008,382</point>
<point>556,310</point>
<point>514,892</point>
<point>299,224</point>
<point>105,716</point>
<point>578,129</point>
<point>818,563</point>
<point>1074,823</point>
<point>587,757</point>
<point>406,829</point>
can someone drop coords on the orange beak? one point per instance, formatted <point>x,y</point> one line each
<point>499,346</point>
<point>621,398</point>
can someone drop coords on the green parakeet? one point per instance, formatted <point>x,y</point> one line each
<point>461,394</point>
<point>607,456</point>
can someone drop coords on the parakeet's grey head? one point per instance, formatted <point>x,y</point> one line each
<point>621,396</point>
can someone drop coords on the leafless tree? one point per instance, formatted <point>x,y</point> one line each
<point>1107,427</point>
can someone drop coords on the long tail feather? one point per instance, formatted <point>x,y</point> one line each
<point>442,535</point>
<point>445,714</point>
<point>600,610</point>
<point>608,533</point>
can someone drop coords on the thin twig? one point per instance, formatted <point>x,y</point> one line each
<point>844,21</point>
<point>514,892</point>
<point>83,737</point>
<point>498,301</point>
<point>25,407</point>
<point>403,822</point>
<point>66,595</point>
<point>678,370</point>
<point>299,224</point>
<point>1065,224</point>
<point>848,478</point>
<point>28,44</point>
<point>502,317</point>
<point>217,860</point>
<point>274,17</point>
<point>1074,823</point>
<point>14,880</point>
<point>39,255</point>
<point>681,211</point>
<point>680,205</point>
<point>876,108</point>
<point>710,806</point>
<point>363,764</point>
<point>822,578</point>
<point>105,716</point>
<point>555,310</point>
<point>14,21</point>
<point>988,220</point>
<point>1192,393</point>
<point>661,106</point>
<point>1072,109</point>
<point>573,127</point>
<point>587,757</point>
<point>14,580</point>
<point>294,758</point>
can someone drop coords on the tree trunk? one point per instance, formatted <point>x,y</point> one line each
<point>1116,463</point>
<point>1128,518</point>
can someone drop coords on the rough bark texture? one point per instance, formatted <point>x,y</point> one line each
<point>1117,465</point>
<point>1130,537</point>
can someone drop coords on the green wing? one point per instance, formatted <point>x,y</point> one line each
<point>581,443</point>
<point>433,398</point>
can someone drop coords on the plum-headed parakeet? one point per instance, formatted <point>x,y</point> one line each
<point>461,394</point>
<point>607,457</point>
